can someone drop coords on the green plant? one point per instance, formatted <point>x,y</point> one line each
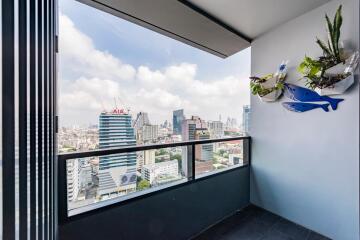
<point>142,185</point>
<point>331,49</point>
<point>314,70</point>
<point>258,89</point>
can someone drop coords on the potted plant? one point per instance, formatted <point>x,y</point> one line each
<point>270,87</point>
<point>332,73</point>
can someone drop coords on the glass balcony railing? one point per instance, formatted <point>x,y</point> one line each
<point>95,179</point>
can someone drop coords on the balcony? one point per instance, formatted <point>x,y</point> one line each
<point>294,175</point>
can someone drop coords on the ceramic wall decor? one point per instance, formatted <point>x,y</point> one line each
<point>305,99</point>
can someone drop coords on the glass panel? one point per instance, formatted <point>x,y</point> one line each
<point>97,179</point>
<point>213,157</point>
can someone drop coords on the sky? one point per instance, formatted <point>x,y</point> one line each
<point>105,61</point>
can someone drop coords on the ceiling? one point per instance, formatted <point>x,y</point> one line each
<point>176,20</point>
<point>220,27</point>
<point>253,18</point>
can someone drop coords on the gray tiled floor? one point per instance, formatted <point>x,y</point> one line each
<point>254,223</point>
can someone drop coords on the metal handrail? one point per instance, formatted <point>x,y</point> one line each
<point>126,149</point>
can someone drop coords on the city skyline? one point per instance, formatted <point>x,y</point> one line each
<point>99,178</point>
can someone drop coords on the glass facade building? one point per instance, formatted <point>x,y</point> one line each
<point>115,130</point>
<point>178,118</point>
<point>117,173</point>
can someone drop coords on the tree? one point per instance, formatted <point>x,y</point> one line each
<point>221,152</point>
<point>142,185</point>
<point>160,152</point>
<point>175,156</point>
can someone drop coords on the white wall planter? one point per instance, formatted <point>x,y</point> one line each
<point>341,86</point>
<point>336,70</point>
<point>338,88</point>
<point>270,83</point>
<point>271,97</point>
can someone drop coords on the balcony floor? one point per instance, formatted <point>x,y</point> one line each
<point>253,223</point>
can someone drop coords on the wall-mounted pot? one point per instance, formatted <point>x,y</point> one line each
<point>338,88</point>
<point>271,97</point>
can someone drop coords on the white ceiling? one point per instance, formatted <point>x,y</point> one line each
<point>252,18</point>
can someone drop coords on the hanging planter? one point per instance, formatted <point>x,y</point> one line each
<point>275,86</point>
<point>270,87</point>
<point>342,71</point>
<point>333,72</point>
<point>337,88</point>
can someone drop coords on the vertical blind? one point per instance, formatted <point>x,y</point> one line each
<point>28,110</point>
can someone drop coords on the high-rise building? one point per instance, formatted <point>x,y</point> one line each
<point>117,173</point>
<point>178,118</point>
<point>189,127</point>
<point>216,129</point>
<point>149,133</point>
<point>142,119</point>
<point>145,158</point>
<point>203,152</point>
<point>246,118</point>
<point>73,183</point>
<point>196,129</point>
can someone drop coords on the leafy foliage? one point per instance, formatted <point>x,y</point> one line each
<point>142,185</point>
<point>258,89</point>
<point>314,70</point>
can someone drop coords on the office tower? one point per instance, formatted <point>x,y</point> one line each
<point>246,118</point>
<point>178,118</point>
<point>116,172</point>
<point>216,129</point>
<point>142,119</point>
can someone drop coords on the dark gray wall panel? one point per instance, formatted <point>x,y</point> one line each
<point>175,214</point>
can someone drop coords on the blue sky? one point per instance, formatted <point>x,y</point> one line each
<point>145,54</point>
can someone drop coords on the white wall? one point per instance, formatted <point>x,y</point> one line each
<point>305,166</point>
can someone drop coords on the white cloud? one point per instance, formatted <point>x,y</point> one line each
<point>92,80</point>
<point>79,56</point>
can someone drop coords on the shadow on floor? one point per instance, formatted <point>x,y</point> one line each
<point>254,223</point>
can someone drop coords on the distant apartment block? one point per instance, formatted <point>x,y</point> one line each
<point>203,152</point>
<point>160,173</point>
<point>195,128</point>
<point>189,127</point>
<point>148,133</point>
<point>73,181</point>
<point>145,158</point>
<point>236,159</point>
